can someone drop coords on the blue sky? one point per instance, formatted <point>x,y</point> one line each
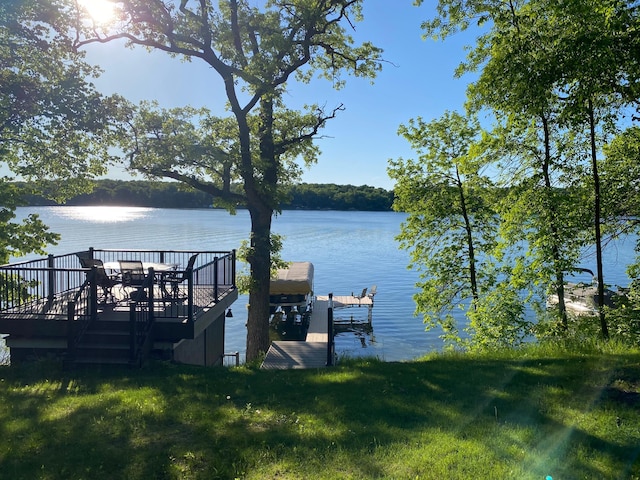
<point>418,81</point>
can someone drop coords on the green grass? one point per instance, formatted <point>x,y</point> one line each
<point>524,414</point>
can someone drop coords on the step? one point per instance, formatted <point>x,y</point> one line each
<point>106,337</point>
<point>102,351</point>
<point>101,361</point>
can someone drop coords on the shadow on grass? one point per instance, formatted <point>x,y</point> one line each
<point>560,417</point>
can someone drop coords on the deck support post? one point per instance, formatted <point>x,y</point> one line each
<point>133,334</point>
<point>71,331</point>
<point>330,347</point>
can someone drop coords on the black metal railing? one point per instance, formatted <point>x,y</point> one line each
<point>81,311</point>
<point>45,286</point>
<point>141,321</point>
<point>38,290</point>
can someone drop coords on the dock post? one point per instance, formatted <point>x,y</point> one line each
<point>330,331</point>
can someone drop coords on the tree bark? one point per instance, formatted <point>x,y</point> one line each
<point>260,264</point>
<point>261,202</point>
<point>553,217</point>
<point>470,246</point>
<point>604,330</point>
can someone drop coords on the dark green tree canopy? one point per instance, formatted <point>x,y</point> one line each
<point>54,125</point>
<point>53,122</point>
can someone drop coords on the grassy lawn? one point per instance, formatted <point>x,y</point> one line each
<point>524,414</point>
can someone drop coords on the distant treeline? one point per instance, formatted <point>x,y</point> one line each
<point>304,196</point>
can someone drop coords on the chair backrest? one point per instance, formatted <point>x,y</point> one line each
<point>191,262</point>
<point>102,279</point>
<point>85,259</point>
<point>132,272</point>
<point>373,291</point>
<point>187,270</point>
<point>91,262</point>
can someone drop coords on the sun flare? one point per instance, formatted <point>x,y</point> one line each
<point>101,11</point>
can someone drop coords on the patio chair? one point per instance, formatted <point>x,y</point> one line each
<point>175,279</point>
<point>133,276</point>
<point>101,279</point>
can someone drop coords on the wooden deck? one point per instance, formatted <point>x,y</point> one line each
<point>340,301</point>
<point>311,353</point>
<point>295,354</point>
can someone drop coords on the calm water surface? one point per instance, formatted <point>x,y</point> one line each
<point>349,250</point>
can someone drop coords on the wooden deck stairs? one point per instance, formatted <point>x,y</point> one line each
<point>104,343</point>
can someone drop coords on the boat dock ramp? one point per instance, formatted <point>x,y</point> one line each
<point>317,351</point>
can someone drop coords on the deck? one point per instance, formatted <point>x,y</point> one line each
<point>57,306</point>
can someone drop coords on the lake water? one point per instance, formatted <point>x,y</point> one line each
<point>349,250</point>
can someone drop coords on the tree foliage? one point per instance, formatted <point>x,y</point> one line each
<point>451,228</point>
<point>554,77</point>
<point>147,193</point>
<point>53,123</point>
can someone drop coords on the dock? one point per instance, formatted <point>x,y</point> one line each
<point>346,306</point>
<point>313,352</point>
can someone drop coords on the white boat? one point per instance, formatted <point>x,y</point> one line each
<point>291,299</point>
<point>582,298</point>
<point>292,287</point>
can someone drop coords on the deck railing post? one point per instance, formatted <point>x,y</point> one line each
<point>190,295</point>
<point>93,293</point>
<point>150,295</point>
<point>51,279</point>
<point>215,279</point>
<point>233,267</point>
<point>330,331</point>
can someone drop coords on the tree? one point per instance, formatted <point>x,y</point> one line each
<point>255,52</point>
<point>53,123</point>
<point>451,228</point>
<point>576,49</point>
<point>621,179</point>
<point>621,207</point>
<point>539,157</point>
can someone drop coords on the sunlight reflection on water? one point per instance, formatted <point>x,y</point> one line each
<point>103,214</point>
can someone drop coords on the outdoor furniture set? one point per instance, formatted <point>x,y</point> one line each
<point>135,277</point>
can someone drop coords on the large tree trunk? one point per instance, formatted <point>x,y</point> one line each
<point>261,201</point>
<point>260,263</point>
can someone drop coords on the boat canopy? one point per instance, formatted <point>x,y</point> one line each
<point>295,280</point>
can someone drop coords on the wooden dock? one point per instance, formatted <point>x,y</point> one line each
<point>340,301</point>
<point>311,353</point>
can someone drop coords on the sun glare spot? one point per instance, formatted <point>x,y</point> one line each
<point>105,214</point>
<point>101,11</point>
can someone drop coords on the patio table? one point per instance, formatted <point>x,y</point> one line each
<point>160,270</point>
